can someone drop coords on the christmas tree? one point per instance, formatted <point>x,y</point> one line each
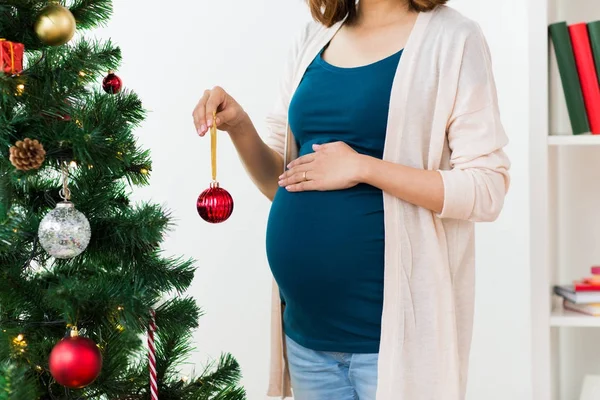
<point>90,308</point>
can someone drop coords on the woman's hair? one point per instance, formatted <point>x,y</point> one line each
<point>329,12</point>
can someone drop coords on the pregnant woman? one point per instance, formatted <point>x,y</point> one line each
<point>384,147</point>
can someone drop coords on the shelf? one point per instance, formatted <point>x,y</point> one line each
<point>566,318</point>
<point>574,140</point>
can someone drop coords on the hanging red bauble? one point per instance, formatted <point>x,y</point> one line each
<point>112,84</point>
<point>215,204</point>
<point>75,361</point>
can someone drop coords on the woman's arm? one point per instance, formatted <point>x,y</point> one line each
<point>337,166</point>
<point>420,187</point>
<point>262,163</point>
<point>473,190</point>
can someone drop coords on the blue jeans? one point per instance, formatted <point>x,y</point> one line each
<point>319,375</point>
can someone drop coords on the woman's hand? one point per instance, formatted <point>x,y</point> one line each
<point>230,114</point>
<point>332,166</point>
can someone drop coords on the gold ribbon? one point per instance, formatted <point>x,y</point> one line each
<point>213,147</point>
<point>12,55</point>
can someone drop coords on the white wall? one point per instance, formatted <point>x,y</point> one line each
<point>173,51</point>
<point>501,351</point>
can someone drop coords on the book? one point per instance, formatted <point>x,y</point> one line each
<point>586,68</point>
<point>568,292</point>
<point>559,33</point>
<point>594,31</point>
<point>585,286</point>
<point>595,270</point>
<point>589,309</point>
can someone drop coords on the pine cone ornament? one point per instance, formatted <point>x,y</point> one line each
<point>27,154</point>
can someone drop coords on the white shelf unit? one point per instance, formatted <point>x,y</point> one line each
<point>574,140</point>
<point>566,318</point>
<point>564,214</point>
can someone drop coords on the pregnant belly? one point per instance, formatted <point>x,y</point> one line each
<point>324,244</point>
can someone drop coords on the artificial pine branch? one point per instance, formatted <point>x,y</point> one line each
<point>15,384</point>
<point>91,13</point>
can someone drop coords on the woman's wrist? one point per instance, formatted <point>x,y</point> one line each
<point>364,170</point>
<point>242,127</point>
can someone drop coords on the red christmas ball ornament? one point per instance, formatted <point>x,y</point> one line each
<point>112,84</point>
<point>215,204</point>
<point>75,361</point>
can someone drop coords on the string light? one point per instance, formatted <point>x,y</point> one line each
<point>38,368</point>
<point>120,308</point>
<point>73,164</point>
<point>120,328</point>
<point>82,74</point>
<point>184,379</point>
<point>20,89</point>
<point>144,171</point>
<point>19,343</point>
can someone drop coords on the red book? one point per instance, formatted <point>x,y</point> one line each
<point>584,59</point>
<point>586,287</point>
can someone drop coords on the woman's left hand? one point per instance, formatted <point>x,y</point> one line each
<point>332,166</point>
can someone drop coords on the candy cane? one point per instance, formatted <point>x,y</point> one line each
<point>152,356</point>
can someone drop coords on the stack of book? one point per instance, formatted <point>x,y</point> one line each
<point>582,296</point>
<point>577,49</point>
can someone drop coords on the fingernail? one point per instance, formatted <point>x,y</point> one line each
<point>209,123</point>
<point>218,121</point>
<point>202,128</point>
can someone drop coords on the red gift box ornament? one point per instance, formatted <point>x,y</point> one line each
<point>215,204</point>
<point>11,57</point>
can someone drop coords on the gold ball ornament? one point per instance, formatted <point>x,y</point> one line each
<point>55,25</point>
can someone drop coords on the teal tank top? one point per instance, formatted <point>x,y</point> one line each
<point>326,249</point>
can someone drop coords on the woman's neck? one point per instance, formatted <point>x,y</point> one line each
<point>381,12</point>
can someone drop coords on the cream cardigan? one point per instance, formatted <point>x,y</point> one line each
<point>443,116</point>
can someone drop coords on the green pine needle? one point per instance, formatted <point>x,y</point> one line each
<point>15,384</point>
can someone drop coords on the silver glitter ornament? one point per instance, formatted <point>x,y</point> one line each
<point>64,232</point>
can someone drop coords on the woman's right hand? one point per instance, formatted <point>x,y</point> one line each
<point>229,113</point>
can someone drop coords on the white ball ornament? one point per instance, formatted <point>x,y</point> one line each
<point>64,232</point>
